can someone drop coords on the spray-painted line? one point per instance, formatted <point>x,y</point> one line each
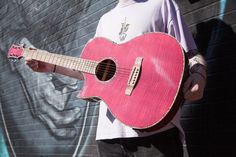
<point>82,131</point>
<point>3,148</point>
<point>6,131</point>
<point>222,9</point>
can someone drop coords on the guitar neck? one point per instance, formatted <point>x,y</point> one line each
<point>74,63</point>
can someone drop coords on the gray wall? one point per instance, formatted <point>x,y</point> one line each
<point>40,114</point>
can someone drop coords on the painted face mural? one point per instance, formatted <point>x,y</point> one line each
<point>40,110</point>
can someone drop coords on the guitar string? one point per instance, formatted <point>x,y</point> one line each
<point>75,61</point>
<point>111,70</point>
<point>102,67</point>
<point>72,59</point>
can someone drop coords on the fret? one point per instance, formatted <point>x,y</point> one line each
<point>28,54</point>
<point>46,57</point>
<point>70,62</point>
<point>50,57</point>
<point>57,59</point>
<point>32,55</point>
<point>79,65</point>
<point>86,66</point>
<point>94,66</point>
<point>43,55</point>
<point>67,62</point>
<point>57,62</point>
<point>82,65</point>
<point>36,54</point>
<point>54,60</point>
<point>60,60</point>
<point>74,63</point>
<point>90,67</point>
<point>63,62</point>
<point>40,56</point>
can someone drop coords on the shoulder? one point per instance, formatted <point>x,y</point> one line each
<point>163,5</point>
<point>109,13</point>
<point>170,4</point>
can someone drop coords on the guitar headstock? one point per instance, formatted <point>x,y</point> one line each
<point>15,52</point>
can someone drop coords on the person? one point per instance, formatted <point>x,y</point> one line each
<point>127,20</point>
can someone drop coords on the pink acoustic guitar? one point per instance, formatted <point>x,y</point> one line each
<point>140,80</point>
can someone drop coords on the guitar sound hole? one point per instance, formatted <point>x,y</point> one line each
<point>106,70</point>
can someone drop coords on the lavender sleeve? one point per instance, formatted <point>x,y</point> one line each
<point>176,26</point>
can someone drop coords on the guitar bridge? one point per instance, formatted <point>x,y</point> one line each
<point>134,75</point>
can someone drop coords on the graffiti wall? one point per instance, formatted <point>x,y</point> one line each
<point>40,115</point>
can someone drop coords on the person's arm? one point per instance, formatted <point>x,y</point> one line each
<point>175,25</point>
<point>196,82</point>
<point>68,72</point>
<point>39,66</point>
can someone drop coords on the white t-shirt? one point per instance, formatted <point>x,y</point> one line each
<point>125,22</point>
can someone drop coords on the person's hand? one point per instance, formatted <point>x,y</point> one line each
<point>39,66</point>
<point>194,87</point>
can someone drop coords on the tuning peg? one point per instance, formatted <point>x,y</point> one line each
<point>13,60</point>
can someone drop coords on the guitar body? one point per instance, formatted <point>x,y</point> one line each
<point>156,95</point>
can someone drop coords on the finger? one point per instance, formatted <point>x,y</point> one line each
<point>187,84</point>
<point>33,64</point>
<point>187,95</point>
<point>190,96</point>
<point>192,91</point>
<point>195,88</point>
<point>30,61</point>
<point>193,96</point>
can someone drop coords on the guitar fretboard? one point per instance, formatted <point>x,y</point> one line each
<point>75,63</point>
